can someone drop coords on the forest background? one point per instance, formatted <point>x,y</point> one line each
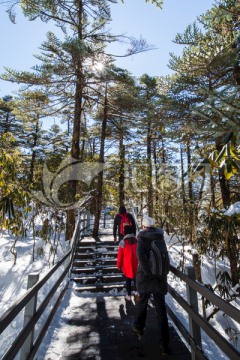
<point>167,145</point>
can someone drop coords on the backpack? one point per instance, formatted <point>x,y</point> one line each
<point>158,260</point>
<point>123,222</point>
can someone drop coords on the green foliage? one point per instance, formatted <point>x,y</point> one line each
<point>208,70</point>
<point>6,207</point>
<point>40,251</point>
<point>195,104</point>
<point>233,334</point>
<point>158,3</point>
<point>228,159</point>
<point>218,237</point>
<point>13,198</point>
<point>212,237</point>
<point>224,284</point>
<point>207,303</point>
<point>9,123</point>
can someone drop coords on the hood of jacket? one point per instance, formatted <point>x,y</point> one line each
<point>152,233</point>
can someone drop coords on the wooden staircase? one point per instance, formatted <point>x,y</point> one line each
<point>94,267</point>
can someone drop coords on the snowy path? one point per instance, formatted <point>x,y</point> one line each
<point>99,326</point>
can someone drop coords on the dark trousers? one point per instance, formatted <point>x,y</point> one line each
<point>129,285</point>
<point>160,307</point>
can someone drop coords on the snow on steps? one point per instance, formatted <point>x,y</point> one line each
<point>94,267</point>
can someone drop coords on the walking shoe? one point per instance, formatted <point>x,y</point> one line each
<point>137,331</point>
<point>128,297</point>
<point>165,350</point>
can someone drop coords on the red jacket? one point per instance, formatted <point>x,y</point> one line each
<point>127,258</point>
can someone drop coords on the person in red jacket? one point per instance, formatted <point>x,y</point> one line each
<point>127,260</point>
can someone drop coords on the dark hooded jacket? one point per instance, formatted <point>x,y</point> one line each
<point>146,282</point>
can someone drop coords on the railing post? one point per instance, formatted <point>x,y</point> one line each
<point>91,221</point>
<point>88,220</point>
<point>104,219</point>
<point>194,329</point>
<point>30,310</point>
<point>84,221</point>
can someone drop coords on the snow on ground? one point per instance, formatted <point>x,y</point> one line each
<point>208,269</point>
<point>14,284</point>
<point>14,278</point>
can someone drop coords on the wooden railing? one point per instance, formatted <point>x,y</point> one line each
<point>198,322</point>
<point>27,345</point>
<point>24,341</point>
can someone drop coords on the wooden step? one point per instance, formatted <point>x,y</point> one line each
<point>95,269</point>
<point>86,244</point>
<point>84,263</point>
<point>92,279</point>
<point>82,254</point>
<point>87,249</point>
<point>84,270</point>
<point>100,287</point>
<point>94,266</point>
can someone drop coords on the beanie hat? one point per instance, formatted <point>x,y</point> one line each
<point>148,221</point>
<point>122,210</point>
<point>128,230</point>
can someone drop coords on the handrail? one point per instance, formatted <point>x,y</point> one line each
<point>17,344</point>
<point>208,294</point>
<point>14,310</point>
<point>198,320</point>
<point>193,314</point>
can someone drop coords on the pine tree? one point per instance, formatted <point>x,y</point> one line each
<point>8,121</point>
<point>67,66</point>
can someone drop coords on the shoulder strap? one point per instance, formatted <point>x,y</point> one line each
<point>140,241</point>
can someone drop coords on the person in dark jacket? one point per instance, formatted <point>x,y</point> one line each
<point>127,260</point>
<point>116,224</point>
<point>148,284</point>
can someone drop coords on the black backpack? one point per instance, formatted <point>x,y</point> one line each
<point>158,260</point>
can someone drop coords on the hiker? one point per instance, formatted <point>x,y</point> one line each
<point>148,284</point>
<point>127,260</point>
<point>122,219</point>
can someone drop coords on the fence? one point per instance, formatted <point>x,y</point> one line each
<point>25,339</point>
<point>28,345</point>
<point>196,321</point>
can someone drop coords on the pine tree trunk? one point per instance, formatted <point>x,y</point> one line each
<point>121,172</point>
<point>224,185</point>
<point>7,129</point>
<point>191,221</point>
<point>70,224</point>
<point>75,152</point>
<point>75,146</point>
<point>225,191</point>
<point>149,170</point>
<point>35,143</point>
<point>100,174</point>
<point>182,178</point>
<point>189,160</point>
<point>233,259</point>
<point>156,166</point>
<point>213,197</point>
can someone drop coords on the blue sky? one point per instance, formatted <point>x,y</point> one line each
<point>158,27</point>
<point>20,42</point>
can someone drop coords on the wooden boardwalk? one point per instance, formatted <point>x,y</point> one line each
<point>98,326</point>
